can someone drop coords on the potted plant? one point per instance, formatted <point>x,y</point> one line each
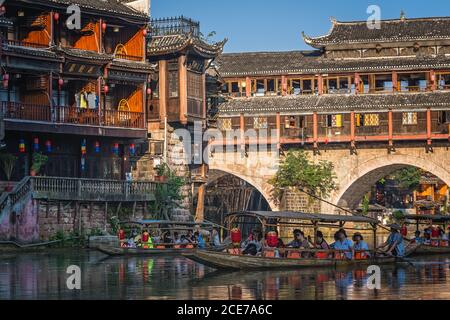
<point>39,160</point>
<point>8,163</point>
<point>161,172</point>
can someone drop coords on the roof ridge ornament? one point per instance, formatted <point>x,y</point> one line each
<point>402,15</point>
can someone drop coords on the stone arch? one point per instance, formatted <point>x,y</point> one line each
<point>259,184</point>
<point>358,181</point>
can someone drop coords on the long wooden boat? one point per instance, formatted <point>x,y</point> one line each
<point>226,261</point>
<point>117,251</point>
<point>430,250</point>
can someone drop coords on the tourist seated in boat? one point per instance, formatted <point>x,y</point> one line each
<point>427,236</point>
<point>299,242</point>
<point>200,240</point>
<point>360,246</point>
<point>215,238</point>
<point>321,244</point>
<point>146,240</point>
<point>418,238</point>
<point>395,245</point>
<point>271,244</point>
<point>131,243</point>
<point>343,246</point>
<point>443,236</point>
<point>336,238</point>
<point>176,238</point>
<point>255,239</point>
<point>190,236</point>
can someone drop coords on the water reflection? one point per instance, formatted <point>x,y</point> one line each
<point>42,276</point>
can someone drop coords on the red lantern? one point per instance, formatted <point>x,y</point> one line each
<point>236,236</point>
<point>144,32</point>
<point>60,82</point>
<point>6,76</point>
<point>105,89</point>
<point>104,26</point>
<point>56,16</point>
<point>2,9</point>
<point>149,91</point>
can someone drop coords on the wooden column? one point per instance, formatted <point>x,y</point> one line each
<point>200,211</point>
<point>242,130</point>
<point>432,80</point>
<point>352,128</point>
<point>283,85</point>
<point>315,129</point>
<point>248,87</point>
<point>100,36</point>
<point>278,131</point>
<point>162,89</point>
<point>357,83</point>
<point>395,81</point>
<point>204,95</point>
<point>429,127</point>
<point>320,84</point>
<point>183,89</point>
<point>391,127</point>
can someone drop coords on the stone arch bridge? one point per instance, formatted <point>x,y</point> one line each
<point>356,174</point>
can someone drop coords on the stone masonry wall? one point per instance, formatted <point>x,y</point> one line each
<point>294,200</point>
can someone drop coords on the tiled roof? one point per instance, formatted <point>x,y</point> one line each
<point>177,42</point>
<point>312,62</point>
<point>116,7</point>
<point>400,30</point>
<point>6,22</point>
<point>85,54</point>
<point>142,66</point>
<point>29,51</point>
<point>336,103</point>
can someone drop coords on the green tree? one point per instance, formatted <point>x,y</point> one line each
<point>298,171</point>
<point>408,178</point>
<point>168,194</point>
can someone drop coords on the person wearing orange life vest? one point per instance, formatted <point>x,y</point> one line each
<point>361,247</point>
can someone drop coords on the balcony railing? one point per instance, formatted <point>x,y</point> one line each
<point>72,115</point>
<point>127,57</point>
<point>18,43</point>
<point>171,26</point>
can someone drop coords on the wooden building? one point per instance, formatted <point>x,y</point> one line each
<point>75,94</point>
<point>356,87</point>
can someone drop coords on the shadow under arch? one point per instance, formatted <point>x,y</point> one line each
<point>360,180</point>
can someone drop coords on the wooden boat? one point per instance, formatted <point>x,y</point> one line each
<point>158,249</point>
<point>429,220</point>
<point>117,251</point>
<point>290,258</point>
<point>225,261</point>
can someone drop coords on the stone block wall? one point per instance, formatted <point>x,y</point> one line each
<point>294,200</point>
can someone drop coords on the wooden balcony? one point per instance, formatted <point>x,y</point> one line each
<point>57,188</point>
<point>18,43</point>
<point>72,115</point>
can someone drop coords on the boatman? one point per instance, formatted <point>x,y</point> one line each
<point>395,244</point>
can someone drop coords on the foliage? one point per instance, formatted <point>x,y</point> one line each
<point>167,195</point>
<point>8,163</point>
<point>114,222</point>
<point>398,215</point>
<point>298,171</point>
<point>366,205</point>
<point>39,160</point>
<point>208,37</point>
<point>408,178</point>
<point>161,170</point>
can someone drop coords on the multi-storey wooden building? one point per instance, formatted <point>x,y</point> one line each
<point>77,95</point>
<point>358,86</point>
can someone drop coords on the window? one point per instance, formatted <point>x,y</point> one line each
<point>234,87</point>
<point>371,120</point>
<point>444,117</point>
<point>195,85</point>
<point>409,118</point>
<point>260,88</point>
<point>293,122</point>
<point>225,124</point>
<point>271,85</point>
<point>173,84</point>
<point>334,121</point>
<point>260,123</point>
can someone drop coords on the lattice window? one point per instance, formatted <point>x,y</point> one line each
<point>371,120</point>
<point>409,118</point>
<point>225,124</point>
<point>260,123</point>
<point>335,121</point>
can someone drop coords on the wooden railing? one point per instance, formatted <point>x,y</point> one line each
<point>127,57</point>
<point>18,43</point>
<point>72,115</point>
<point>92,189</point>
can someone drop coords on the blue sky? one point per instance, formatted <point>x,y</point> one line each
<point>276,25</point>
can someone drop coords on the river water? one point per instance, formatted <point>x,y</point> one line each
<point>43,276</point>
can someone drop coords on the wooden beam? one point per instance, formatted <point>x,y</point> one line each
<point>242,130</point>
<point>395,87</point>
<point>183,89</point>
<point>429,127</point>
<point>315,129</point>
<point>248,87</point>
<point>391,128</point>
<point>352,128</point>
<point>162,89</point>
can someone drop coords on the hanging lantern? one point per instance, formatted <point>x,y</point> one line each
<point>22,146</point>
<point>6,76</point>
<point>83,147</point>
<point>132,149</point>
<point>144,32</point>
<point>48,146</point>
<point>60,82</point>
<point>105,89</point>
<point>327,141</point>
<point>83,164</point>
<point>149,91</point>
<point>36,144</point>
<point>56,16</point>
<point>104,25</point>
<point>97,147</point>
<point>116,149</point>
<point>2,9</point>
